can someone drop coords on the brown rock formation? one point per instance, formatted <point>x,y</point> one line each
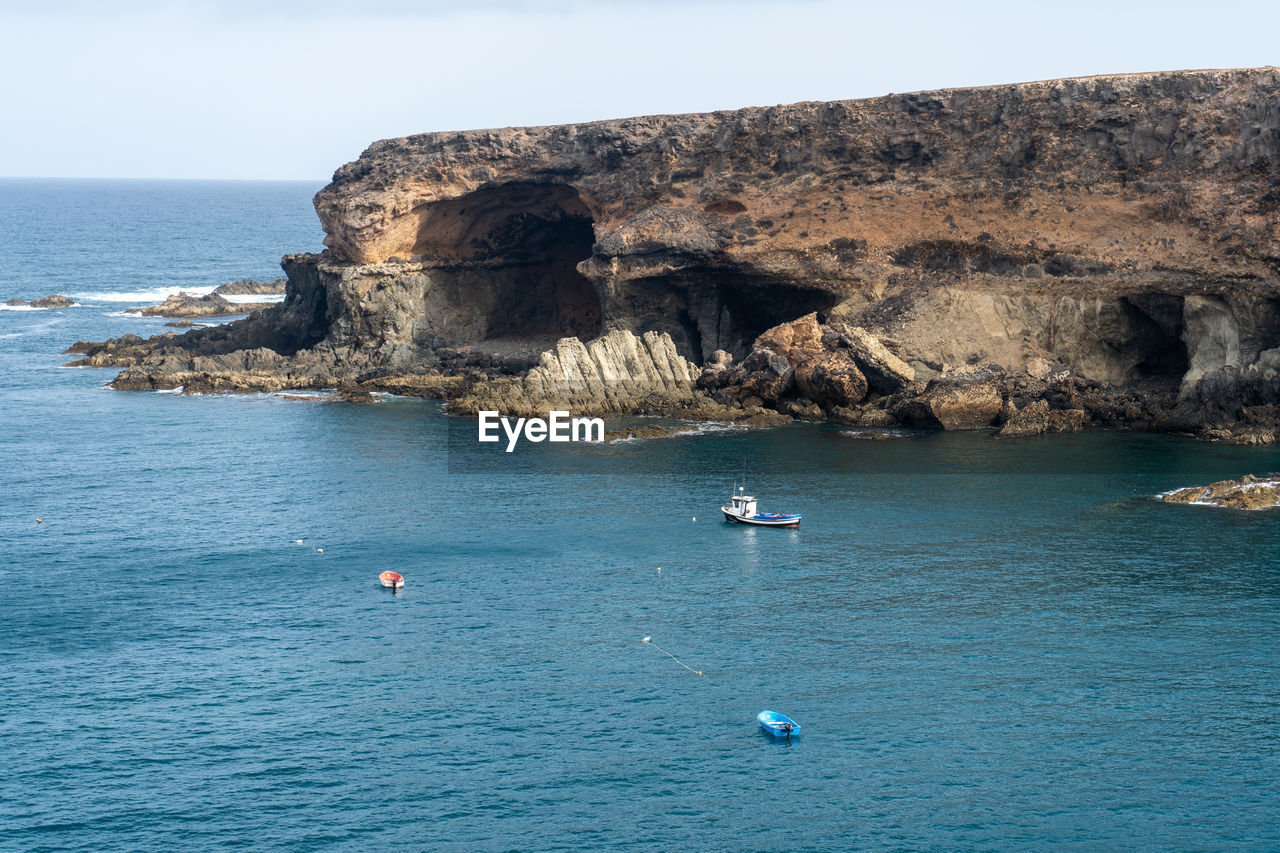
<point>1116,232</point>
<point>1036,418</point>
<point>1249,492</point>
<point>55,301</point>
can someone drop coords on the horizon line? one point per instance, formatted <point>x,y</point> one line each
<point>118,178</point>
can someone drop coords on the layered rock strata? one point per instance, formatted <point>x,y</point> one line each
<point>1107,245</point>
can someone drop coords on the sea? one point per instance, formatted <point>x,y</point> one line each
<point>989,645</point>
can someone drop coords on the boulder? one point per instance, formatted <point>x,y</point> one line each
<point>1036,418</point>
<point>884,371</point>
<point>965,401</point>
<point>830,379</point>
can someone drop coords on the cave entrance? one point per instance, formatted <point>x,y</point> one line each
<point>707,310</point>
<point>1156,321</point>
<point>521,244</point>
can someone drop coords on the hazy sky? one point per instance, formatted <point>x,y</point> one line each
<point>241,89</point>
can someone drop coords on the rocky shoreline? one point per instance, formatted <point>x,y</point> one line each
<point>1030,258</point>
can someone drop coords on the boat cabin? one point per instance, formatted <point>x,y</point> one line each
<point>744,505</point>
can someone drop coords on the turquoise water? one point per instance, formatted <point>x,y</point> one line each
<point>989,645</point>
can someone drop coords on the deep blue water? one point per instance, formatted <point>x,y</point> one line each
<point>989,645</point>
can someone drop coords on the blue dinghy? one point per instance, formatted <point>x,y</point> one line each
<point>778,725</point>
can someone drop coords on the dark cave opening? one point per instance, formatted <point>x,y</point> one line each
<point>707,310</point>
<point>516,248</point>
<point>1156,320</point>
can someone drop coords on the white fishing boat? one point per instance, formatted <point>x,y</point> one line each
<point>742,509</point>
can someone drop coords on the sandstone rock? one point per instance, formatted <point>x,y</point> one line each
<point>804,334</point>
<point>830,379</point>
<point>618,373</point>
<point>884,371</point>
<point>1249,492</point>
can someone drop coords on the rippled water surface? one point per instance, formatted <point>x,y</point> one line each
<point>989,645</point>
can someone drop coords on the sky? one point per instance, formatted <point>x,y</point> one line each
<point>234,89</point>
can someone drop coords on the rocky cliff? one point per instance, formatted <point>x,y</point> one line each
<point>1117,233</point>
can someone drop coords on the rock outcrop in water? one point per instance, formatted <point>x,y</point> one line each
<point>210,305</point>
<point>1249,492</point>
<point>1108,245</point>
<point>248,286</point>
<point>55,301</point>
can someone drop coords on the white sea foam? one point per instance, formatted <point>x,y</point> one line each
<point>246,298</point>
<point>875,433</point>
<point>177,390</point>
<point>155,294</point>
<point>22,308</point>
<point>1271,483</point>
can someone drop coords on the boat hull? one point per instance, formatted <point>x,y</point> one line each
<point>760,520</point>
<point>391,580</point>
<point>776,724</point>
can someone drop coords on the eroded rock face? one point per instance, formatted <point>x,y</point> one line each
<point>1249,492</point>
<point>1119,232</point>
<point>619,373</point>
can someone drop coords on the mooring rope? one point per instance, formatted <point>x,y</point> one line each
<point>649,640</point>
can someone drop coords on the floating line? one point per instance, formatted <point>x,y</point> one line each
<point>649,640</point>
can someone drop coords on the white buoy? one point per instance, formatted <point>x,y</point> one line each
<point>645,640</point>
<point>659,569</point>
<point>299,541</point>
<point>319,550</point>
<point>695,518</point>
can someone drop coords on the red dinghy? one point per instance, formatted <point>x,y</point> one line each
<point>391,580</point>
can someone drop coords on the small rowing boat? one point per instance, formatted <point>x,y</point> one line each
<point>778,725</point>
<point>742,509</point>
<point>391,580</point>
